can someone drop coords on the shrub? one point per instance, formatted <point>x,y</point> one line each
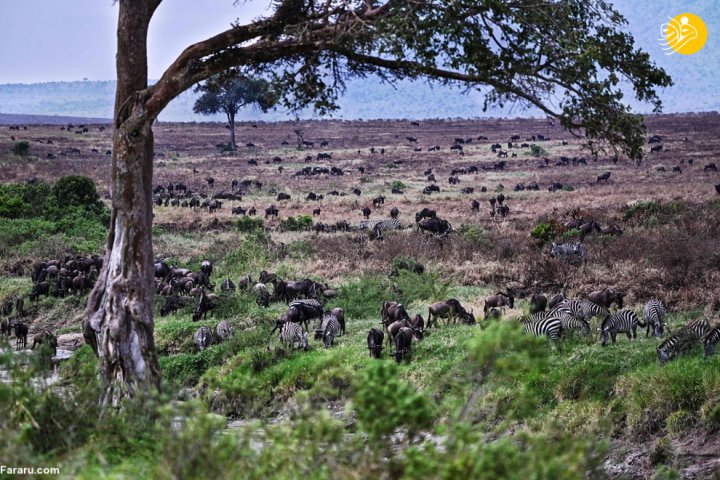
<point>397,184</point>
<point>543,232</point>
<point>537,151</point>
<point>476,235</point>
<point>383,402</point>
<point>74,191</point>
<point>21,148</point>
<point>293,224</point>
<point>249,224</point>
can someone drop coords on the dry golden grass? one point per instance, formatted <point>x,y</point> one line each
<point>675,260</point>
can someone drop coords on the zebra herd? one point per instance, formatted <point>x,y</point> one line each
<point>570,316</point>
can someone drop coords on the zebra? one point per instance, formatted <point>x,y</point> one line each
<point>711,340</point>
<point>329,328</point>
<point>591,309</point>
<point>542,324</point>
<point>653,315</point>
<point>676,344</point>
<point>572,324</point>
<point>622,321</point>
<point>389,224</point>
<point>572,250</point>
<point>223,330</point>
<point>306,308</point>
<point>292,334</point>
<point>262,295</point>
<point>699,327</point>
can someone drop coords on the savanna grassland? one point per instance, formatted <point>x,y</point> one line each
<point>482,401</point>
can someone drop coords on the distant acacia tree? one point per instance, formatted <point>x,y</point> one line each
<point>229,93</point>
<point>572,59</point>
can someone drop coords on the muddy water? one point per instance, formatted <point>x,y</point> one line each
<point>24,357</point>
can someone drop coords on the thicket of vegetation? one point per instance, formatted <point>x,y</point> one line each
<point>38,219</point>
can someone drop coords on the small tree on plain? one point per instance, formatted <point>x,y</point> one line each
<point>228,94</point>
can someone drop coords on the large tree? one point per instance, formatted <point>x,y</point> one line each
<point>572,59</point>
<point>228,93</point>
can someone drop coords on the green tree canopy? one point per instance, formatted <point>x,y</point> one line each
<point>229,93</point>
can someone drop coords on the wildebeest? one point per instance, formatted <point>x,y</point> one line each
<point>223,330</point>
<point>425,213</point>
<point>366,212</point>
<point>172,304</point>
<point>21,331</point>
<point>203,338</point>
<point>606,297</point>
<point>377,201</point>
<point>227,285</point>
<point>271,211</point>
<point>475,206</point>
<point>449,309</point>
<point>46,338</point>
<point>538,303</point>
<point>498,300</point>
<point>41,288</point>
<point>391,312</point>
<point>206,303</point>
<point>604,177</point>
<point>435,225</point>
<point>710,167</point>
<point>403,344</point>
<point>394,212</point>
<point>375,342</point>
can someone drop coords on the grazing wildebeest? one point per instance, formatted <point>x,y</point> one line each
<point>244,282</point>
<point>403,344</point>
<point>606,297</point>
<point>377,201</point>
<point>394,212</point>
<point>711,167</point>
<point>223,330</point>
<point>203,338</point>
<point>425,213</point>
<point>227,285</point>
<point>717,188</point>
<point>366,212</point>
<point>206,303</point>
<point>45,338</point>
<point>375,342</point>
<point>391,312</point>
<point>498,300</point>
<point>435,225</point>
<point>316,212</point>
<point>612,230</point>
<point>475,206</point>
<point>172,304</point>
<point>538,303</point>
<point>589,227</point>
<point>271,211</point>
<point>450,310</point>
<point>604,177</point>
<point>41,288</point>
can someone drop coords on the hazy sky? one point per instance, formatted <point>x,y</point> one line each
<point>54,40</point>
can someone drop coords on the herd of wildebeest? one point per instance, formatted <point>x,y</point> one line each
<point>556,317</point>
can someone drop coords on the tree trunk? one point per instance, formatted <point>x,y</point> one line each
<point>231,122</point>
<point>119,322</point>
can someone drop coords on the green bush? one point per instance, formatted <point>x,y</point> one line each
<point>543,232</point>
<point>537,151</point>
<point>293,224</point>
<point>21,148</point>
<point>74,191</point>
<point>383,402</point>
<point>476,235</point>
<point>397,184</point>
<point>249,224</point>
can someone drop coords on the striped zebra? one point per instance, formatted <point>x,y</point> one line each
<point>653,315</point>
<point>699,327</point>
<point>542,324</point>
<point>680,342</point>
<point>584,309</point>
<point>389,224</point>
<point>329,328</point>
<point>622,321</point>
<point>574,324</point>
<point>711,340</point>
<point>292,334</point>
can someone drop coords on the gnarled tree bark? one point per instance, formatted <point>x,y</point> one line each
<point>119,322</point>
